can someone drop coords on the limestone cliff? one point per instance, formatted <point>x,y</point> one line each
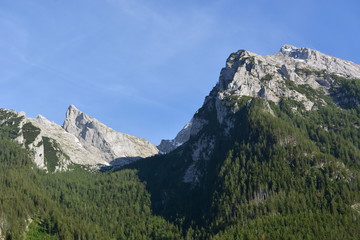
<point>115,147</point>
<point>301,75</point>
<point>271,77</point>
<point>83,140</point>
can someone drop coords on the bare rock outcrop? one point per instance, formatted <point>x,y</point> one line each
<point>115,147</point>
<point>83,140</point>
<point>293,73</point>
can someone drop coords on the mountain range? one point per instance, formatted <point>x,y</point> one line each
<point>273,153</point>
<point>81,140</point>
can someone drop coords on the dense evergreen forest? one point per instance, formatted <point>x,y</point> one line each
<point>280,173</point>
<point>77,204</point>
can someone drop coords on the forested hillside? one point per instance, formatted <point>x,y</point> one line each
<point>77,204</point>
<point>273,153</point>
<point>281,173</point>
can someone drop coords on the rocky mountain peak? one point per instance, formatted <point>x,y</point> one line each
<point>300,75</point>
<point>43,120</point>
<point>315,60</point>
<point>116,147</point>
<point>72,111</point>
<point>81,140</point>
<point>253,75</point>
<point>75,120</point>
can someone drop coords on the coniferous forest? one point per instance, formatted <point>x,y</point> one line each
<point>280,174</point>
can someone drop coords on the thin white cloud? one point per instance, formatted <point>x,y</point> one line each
<point>166,32</point>
<point>129,93</point>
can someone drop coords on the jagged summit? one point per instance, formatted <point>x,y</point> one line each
<point>270,121</point>
<point>271,77</point>
<point>73,106</point>
<point>320,61</point>
<point>81,140</point>
<point>114,146</point>
<point>75,117</point>
<point>250,74</point>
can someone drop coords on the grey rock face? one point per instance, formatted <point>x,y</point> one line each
<point>250,74</point>
<point>191,128</point>
<point>113,146</point>
<point>68,144</point>
<point>52,148</point>
<point>318,61</point>
<point>83,140</point>
<point>167,146</point>
<point>268,77</point>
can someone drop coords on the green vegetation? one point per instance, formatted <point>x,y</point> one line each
<point>37,230</point>
<point>291,175</point>
<point>298,178</point>
<point>317,96</point>
<point>267,77</point>
<point>51,153</point>
<point>75,204</point>
<point>251,59</point>
<point>30,132</point>
<point>304,71</point>
<point>236,101</point>
<point>9,123</point>
<point>277,173</point>
<point>306,225</point>
<point>347,94</point>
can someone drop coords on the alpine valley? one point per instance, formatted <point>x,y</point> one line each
<point>273,153</point>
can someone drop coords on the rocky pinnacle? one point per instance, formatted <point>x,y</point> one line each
<point>115,147</point>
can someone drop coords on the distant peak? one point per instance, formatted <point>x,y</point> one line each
<point>72,114</point>
<point>288,47</point>
<point>295,52</point>
<point>40,117</point>
<point>72,110</point>
<point>72,107</point>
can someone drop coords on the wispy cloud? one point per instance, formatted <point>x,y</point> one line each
<point>167,31</point>
<point>129,93</point>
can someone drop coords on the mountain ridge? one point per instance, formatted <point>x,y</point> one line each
<point>273,153</point>
<point>263,76</point>
<point>113,144</point>
<point>59,147</point>
<point>272,128</point>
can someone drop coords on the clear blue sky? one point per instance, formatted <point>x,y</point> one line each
<point>144,67</point>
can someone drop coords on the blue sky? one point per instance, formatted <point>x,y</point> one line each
<point>145,67</point>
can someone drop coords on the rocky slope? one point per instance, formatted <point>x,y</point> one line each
<point>271,77</point>
<point>68,148</point>
<point>295,111</point>
<point>190,129</point>
<point>83,140</point>
<point>115,147</point>
<point>300,74</point>
<point>273,153</point>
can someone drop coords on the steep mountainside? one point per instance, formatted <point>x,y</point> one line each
<point>191,128</point>
<point>273,153</point>
<point>76,204</point>
<point>116,148</point>
<point>277,142</point>
<point>269,77</point>
<point>83,140</point>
